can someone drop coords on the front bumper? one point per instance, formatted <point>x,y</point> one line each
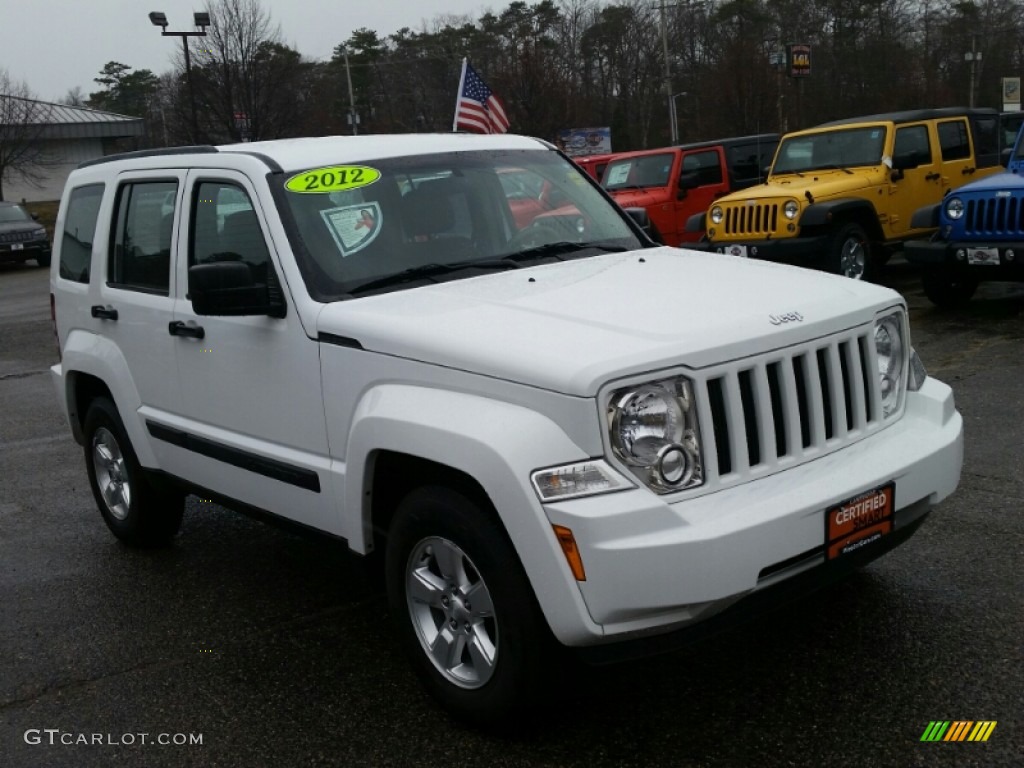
<point>942,254</point>
<point>802,251</point>
<point>654,567</point>
<point>30,249</point>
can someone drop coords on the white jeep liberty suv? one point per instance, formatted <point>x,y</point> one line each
<point>557,433</point>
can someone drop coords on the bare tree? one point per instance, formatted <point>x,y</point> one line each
<point>22,121</point>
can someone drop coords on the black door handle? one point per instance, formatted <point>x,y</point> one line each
<point>104,313</point>
<point>931,176</point>
<point>178,328</point>
<point>968,171</point>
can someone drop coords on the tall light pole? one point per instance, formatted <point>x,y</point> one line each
<point>675,117</point>
<point>673,129</point>
<point>202,20</point>
<point>973,56</point>
<point>353,116</point>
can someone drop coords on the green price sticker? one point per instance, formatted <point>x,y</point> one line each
<point>335,178</point>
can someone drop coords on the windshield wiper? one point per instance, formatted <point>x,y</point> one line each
<point>430,271</point>
<point>834,167</point>
<point>561,247</point>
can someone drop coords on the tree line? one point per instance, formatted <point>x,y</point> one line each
<point>577,63</point>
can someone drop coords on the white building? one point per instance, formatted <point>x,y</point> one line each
<point>66,137</point>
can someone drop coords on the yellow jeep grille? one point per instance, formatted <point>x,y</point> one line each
<point>746,219</point>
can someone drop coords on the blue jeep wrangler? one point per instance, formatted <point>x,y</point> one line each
<point>980,234</point>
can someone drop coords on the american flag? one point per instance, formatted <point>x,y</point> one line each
<point>478,110</point>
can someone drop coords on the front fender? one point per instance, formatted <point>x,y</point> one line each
<point>822,214</point>
<point>496,443</point>
<point>926,217</point>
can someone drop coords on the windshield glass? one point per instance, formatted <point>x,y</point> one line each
<point>13,213</point>
<point>831,149</point>
<point>376,225</point>
<point>638,172</point>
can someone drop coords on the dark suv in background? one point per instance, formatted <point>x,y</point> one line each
<point>22,237</point>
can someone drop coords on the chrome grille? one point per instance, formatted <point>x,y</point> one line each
<point>756,219</point>
<point>995,216</point>
<point>15,237</point>
<point>789,406</point>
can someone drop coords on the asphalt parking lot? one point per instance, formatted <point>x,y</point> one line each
<point>275,650</point>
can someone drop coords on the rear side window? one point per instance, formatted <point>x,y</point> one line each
<point>953,140</point>
<point>141,240</point>
<point>747,162</point>
<point>79,229</point>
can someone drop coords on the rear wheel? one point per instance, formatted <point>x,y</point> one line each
<point>465,610</point>
<point>850,252</point>
<point>136,511</point>
<point>946,290</point>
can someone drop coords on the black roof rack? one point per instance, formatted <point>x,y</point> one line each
<point>912,115</point>
<point>199,149</point>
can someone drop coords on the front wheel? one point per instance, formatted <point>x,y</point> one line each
<point>850,253</point>
<point>135,510</point>
<point>947,291</point>
<point>465,610</point>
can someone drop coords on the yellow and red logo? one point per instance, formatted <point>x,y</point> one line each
<point>958,730</point>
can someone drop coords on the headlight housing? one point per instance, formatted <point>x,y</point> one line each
<point>652,429</point>
<point>954,208</point>
<point>891,354</point>
<point>717,214</point>
<point>790,209</point>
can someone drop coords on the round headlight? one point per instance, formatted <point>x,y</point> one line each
<point>954,208</point>
<point>717,215</point>
<point>646,421</point>
<point>790,209</point>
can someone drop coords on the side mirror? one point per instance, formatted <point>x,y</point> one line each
<point>35,216</point>
<point>643,220</point>
<point>228,288</point>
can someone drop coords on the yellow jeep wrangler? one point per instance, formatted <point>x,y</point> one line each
<point>840,196</point>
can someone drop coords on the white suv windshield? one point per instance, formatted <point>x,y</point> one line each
<point>831,149</point>
<point>396,223</point>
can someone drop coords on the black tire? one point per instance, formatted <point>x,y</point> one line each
<point>436,524</point>
<point>946,290</point>
<point>43,261</point>
<point>849,252</point>
<point>136,511</point>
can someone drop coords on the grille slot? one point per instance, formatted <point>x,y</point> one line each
<point>16,237</point>
<point>791,405</point>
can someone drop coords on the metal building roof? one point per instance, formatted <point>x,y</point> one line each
<point>61,121</point>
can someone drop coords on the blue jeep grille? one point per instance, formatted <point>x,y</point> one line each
<point>1002,216</point>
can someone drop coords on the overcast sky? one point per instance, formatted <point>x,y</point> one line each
<point>55,45</point>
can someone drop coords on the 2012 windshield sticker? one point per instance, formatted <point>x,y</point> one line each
<point>334,178</point>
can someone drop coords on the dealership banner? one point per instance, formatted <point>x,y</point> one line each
<point>578,142</point>
<point>1011,94</point>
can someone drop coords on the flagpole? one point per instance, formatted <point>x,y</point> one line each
<point>458,95</point>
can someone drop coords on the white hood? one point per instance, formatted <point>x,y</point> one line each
<point>572,326</point>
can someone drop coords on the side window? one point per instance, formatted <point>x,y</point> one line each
<point>748,161</point>
<point>142,235</point>
<point>225,228</point>
<point>986,139</point>
<point>703,167</point>
<point>913,140</point>
<point>953,140</point>
<point>79,229</point>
